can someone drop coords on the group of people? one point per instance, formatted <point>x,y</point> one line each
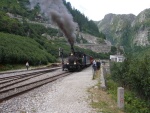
<point>96,66</point>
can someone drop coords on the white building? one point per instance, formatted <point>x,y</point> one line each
<point>117,58</point>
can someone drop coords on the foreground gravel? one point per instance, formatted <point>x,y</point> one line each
<point>66,95</point>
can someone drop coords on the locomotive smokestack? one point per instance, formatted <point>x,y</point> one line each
<point>72,49</point>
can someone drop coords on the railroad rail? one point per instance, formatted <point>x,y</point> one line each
<point>13,89</point>
<point>11,80</point>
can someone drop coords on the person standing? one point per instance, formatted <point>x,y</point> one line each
<point>94,68</point>
<point>98,64</point>
<point>27,65</point>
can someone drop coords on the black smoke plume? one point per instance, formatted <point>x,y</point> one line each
<point>58,13</point>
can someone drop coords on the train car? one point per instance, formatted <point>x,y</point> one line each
<point>77,61</point>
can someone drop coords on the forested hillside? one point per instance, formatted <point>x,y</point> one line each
<point>85,25</point>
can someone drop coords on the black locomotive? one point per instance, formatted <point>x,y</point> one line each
<point>77,61</point>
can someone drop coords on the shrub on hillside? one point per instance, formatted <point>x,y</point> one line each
<point>16,49</point>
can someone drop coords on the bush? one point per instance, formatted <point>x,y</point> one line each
<point>133,104</point>
<point>134,73</point>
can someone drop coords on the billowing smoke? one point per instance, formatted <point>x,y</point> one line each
<point>57,12</point>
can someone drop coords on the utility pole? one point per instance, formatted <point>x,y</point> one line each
<point>61,55</point>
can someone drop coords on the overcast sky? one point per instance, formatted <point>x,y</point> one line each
<point>97,9</point>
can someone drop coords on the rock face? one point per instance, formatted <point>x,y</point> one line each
<point>89,38</point>
<point>141,38</point>
<point>127,29</point>
<point>142,28</point>
<point>94,45</point>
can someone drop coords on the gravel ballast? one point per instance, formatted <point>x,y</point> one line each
<point>66,95</point>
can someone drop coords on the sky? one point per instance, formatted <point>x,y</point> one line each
<point>97,9</point>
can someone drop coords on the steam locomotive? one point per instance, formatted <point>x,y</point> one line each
<point>77,61</point>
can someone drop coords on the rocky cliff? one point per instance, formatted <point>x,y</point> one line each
<point>127,29</point>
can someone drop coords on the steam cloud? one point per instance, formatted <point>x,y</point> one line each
<point>58,13</point>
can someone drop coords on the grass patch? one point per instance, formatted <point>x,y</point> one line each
<point>102,100</point>
<point>7,67</point>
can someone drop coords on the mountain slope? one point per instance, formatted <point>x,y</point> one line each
<point>127,30</point>
<point>115,27</point>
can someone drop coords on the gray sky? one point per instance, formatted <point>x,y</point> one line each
<point>97,9</point>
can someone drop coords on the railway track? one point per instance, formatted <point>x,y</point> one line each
<point>24,70</point>
<point>11,80</point>
<point>12,87</point>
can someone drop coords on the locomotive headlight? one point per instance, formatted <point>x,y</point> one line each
<point>74,63</point>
